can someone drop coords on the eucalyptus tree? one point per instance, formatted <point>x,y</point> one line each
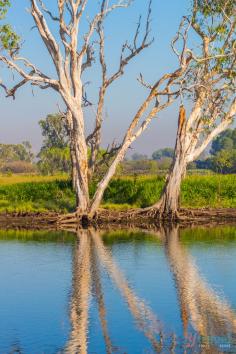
<point>73,52</point>
<point>9,40</point>
<point>208,87</point>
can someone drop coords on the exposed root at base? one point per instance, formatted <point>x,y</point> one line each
<point>157,213</point>
<point>152,215</point>
<point>76,219</point>
<point>143,217</point>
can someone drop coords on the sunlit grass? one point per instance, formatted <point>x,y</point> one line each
<point>26,193</point>
<point>21,178</point>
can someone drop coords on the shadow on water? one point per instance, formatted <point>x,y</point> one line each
<point>211,317</point>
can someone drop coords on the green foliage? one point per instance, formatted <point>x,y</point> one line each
<point>4,6</point>
<point>54,160</point>
<point>16,152</point>
<point>138,157</point>
<point>214,7</point>
<point>54,155</point>
<point>55,132</point>
<point>214,19</point>
<point>139,191</point>
<point>9,40</point>
<point>224,161</point>
<point>225,141</point>
<point>164,163</point>
<point>209,191</point>
<point>223,152</point>
<point>166,152</point>
<point>122,193</point>
<point>41,196</point>
<point>196,191</point>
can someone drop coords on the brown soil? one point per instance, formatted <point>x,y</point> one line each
<point>110,218</point>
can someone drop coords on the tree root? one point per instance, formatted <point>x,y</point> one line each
<point>155,215</point>
<point>152,215</point>
<point>156,212</point>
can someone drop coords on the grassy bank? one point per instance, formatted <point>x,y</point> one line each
<point>35,193</point>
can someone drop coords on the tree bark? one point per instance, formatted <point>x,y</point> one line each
<point>72,149</point>
<point>169,203</point>
<point>79,159</point>
<point>79,151</point>
<point>73,167</point>
<point>81,175</point>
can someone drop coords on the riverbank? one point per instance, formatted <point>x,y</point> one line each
<point>117,219</point>
<point>38,201</point>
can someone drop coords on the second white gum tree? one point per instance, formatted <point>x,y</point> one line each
<point>72,52</point>
<point>208,87</point>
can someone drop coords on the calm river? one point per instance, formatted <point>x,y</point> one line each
<point>169,291</point>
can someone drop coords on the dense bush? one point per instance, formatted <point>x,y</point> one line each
<point>138,167</point>
<point>18,167</point>
<point>139,191</point>
<point>16,152</point>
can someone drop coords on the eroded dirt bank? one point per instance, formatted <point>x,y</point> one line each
<point>110,218</point>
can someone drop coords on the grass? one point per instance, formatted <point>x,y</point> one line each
<point>24,178</point>
<point>38,193</point>
<point>215,191</point>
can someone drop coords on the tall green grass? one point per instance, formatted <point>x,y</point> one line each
<point>196,191</point>
<point>215,191</point>
<point>37,196</point>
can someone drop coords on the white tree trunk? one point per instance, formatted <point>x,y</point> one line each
<point>79,160</point>
<point>79,151</point>
<point>169,203</point>
<point>81,175</point>
<point>73,167</point>
<point>170,200</point>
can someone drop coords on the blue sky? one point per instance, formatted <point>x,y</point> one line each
<point>19,118</point>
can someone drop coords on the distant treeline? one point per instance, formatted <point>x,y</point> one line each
<point>54,155</point>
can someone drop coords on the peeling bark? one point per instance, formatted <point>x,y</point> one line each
<point>169,203</point>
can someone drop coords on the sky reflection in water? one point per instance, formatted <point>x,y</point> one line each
<point>120,292</point>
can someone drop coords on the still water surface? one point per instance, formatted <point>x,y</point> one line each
<point>169,291</point>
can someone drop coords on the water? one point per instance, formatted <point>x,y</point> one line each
<point>168,291</point>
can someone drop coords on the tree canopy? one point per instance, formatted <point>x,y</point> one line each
<point>225,141</point>
<point>54,155</point>
<point>16,152</point>
<point>55,132</point>
<point>166,152</point>
<point>9,40</point>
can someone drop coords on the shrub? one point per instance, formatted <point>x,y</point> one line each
<point>18,167</point>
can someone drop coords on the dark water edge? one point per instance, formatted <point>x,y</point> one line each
<point>118,219</point>
<point>168,290</point>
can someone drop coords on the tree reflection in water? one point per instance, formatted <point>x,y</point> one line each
<point>80,295</point>
<point>209,315</point>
